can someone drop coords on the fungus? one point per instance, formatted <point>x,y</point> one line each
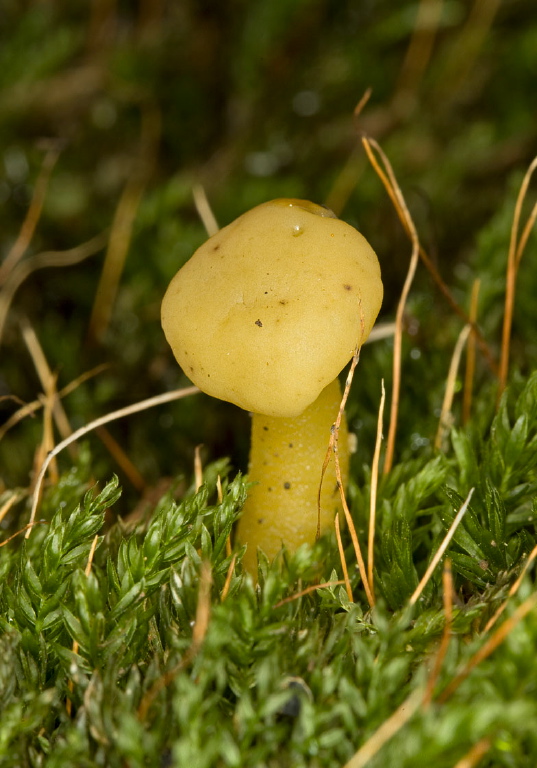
<point>265,315</point>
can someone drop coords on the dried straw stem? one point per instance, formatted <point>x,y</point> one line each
<point>490,646</point>
<point>29,408</point>
<point>513,261</point>
<point>21,271</point>
<point>475,753</point>
<point>447,582</point>
<point>444,422</point>
<point>373,496</point>
<point>441,549</point>
<point>470,355</point>
<point>32,217</point>
<point>387,730</point>
<point>387,177</point>
<point>307,591</point>
<point>143,405</point>
<point>512,591</point>
<point>344,568</point>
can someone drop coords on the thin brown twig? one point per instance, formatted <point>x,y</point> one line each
<point>444,422</point>
<point>25,528</point>
<point>229,576</point>
<point>346,510</point>
<point>116,255</point>
<point>46,377</point>
<point>447,582</point>
<point>198,468</point>
<point>47,442</point>
<point>387,177</point>
<point>333,451</point>
<point>373,497</point>
<point>387,730</point>
<point>359,108</point>
<point>418,54</point>
<point>513,260</point>
<point>348,176</point>
<point>205,212</point>
<point>475,753</point>
<point>120,456</point>
<point>341,551</point>
<point>470,355</point>
<point>29,408</point>
<point>143,405</point>
<point>465,51</point>
<point>124,219</point>
<point>512,591</point>
<point>490,646</point>
<point>10,502</point>
<point>441,549</point>
<point>433,271</point>
<point>307,591</point>
<point>44,260</point>
<point>33,215</point>
<point>526,232</point>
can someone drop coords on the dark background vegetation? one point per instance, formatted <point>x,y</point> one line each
<point>142,101</point>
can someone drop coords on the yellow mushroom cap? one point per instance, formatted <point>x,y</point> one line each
<point>269,310</point>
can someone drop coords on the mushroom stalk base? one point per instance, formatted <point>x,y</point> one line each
<point>286,460</point>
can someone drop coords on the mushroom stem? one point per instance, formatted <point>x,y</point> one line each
<point>286,460</point>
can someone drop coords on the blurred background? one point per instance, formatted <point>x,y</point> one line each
<point>115,114</point>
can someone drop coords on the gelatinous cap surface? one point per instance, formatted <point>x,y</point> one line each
<point>269,310</point>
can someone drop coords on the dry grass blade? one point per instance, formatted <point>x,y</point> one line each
<point>434,273</point>
<point>44,260</point>
<point>22,530</point>
<point>29,408</point>
<point>333,450</point>
<point>201,624</point>
<point>32,217</point>
<point>513,262</point>
<point>46,377</point>
<point>387,177</point>
<point>116,255</point>
<point>123,223</point>
<point>10,502</point>
<point>444,422</point>
<point>484,348</point>
<point>381,331</point>
<point>347,178</point>
<point>198,468</point>
<point>466,48</point>
<point>441,549</point>
<point>307,591</point>
<point>513,590</point>
<point>474,755</point>
<point>205,212</point>
<point>470,355</point>
<point>143,405</point>
<point>373,497</point>
<point>118,454</point>
<point>490,646</point>
<point>447,582</point>
<point>229,576</point>
<point>387,730</point>
<point>344,568</point>
<point>418,54</point>
<point>46,446</point>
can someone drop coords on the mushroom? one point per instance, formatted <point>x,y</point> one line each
<point>265,315</point>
